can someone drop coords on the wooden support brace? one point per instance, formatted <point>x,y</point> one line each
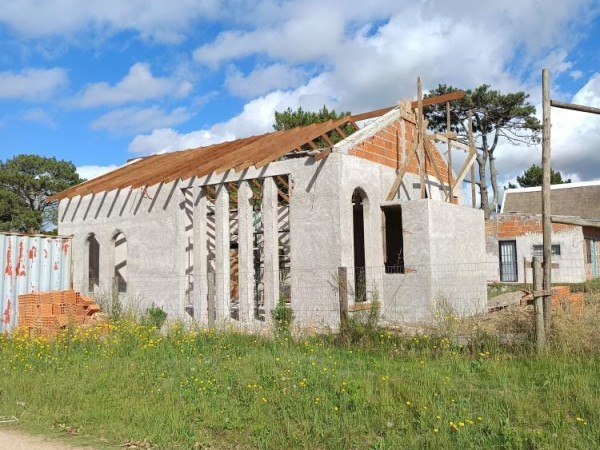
<point>400,176</point>
<point>436,170</point>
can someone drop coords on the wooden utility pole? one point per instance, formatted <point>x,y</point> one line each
<point>421,135</point>
<point>546,206</point>
<point>540,329</point>
<point>448,124</point>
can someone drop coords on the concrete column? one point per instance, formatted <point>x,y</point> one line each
<point>245,251</point>
<point>200,293</point>
<point>107,263</point>
<point>271,245</point>
<point>222,257</point>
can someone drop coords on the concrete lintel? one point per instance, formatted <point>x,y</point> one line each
<point>245,252</point>
<point>222,256</point>
<point>271,246</point>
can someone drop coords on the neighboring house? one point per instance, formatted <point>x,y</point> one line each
<point>221,233</point>
<point>515,235</point>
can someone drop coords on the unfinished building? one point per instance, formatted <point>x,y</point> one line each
<point>220,234</point>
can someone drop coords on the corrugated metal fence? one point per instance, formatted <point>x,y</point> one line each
<point>29,264</point>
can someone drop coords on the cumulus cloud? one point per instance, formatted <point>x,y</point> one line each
<point>38,115</point>
<point>153,19</point>
<point>31,84</point>
<point>369,56</point>
<point>257,117</point>
<point>262,80</point>
<point>138,85</point>
<point>138,120</point>
<point>93,171</point>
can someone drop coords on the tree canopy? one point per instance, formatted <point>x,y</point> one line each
<point>533,177</point>
<point>25,183</point>
<point>289,118</point>
<point>496,117</point>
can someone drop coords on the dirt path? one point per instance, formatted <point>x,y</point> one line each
<point>17,440</point>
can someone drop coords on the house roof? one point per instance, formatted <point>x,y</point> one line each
<point>240,154</point>
<point>235,155</point>
<point>570,199</point>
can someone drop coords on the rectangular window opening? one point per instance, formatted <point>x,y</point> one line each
<point>393,239</point>
<point>538,250</point>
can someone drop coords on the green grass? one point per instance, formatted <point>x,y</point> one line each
<point>106,387</point>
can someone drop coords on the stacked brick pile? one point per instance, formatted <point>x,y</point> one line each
<point>562,298</point>
<point>46,313</point>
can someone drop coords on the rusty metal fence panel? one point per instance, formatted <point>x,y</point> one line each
<point>31,263</point>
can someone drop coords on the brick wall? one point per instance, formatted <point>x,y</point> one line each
<point>386,148</point>
<point>509,226</point>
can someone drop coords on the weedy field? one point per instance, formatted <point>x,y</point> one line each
<point>126,384</point>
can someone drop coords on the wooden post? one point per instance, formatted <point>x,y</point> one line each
<point>448,125</point>
<point>420,137</point>
<point>540,329</point>
<point>546,207</point>
<point>525,271</point>
<point>343,292</point>
<point>471,147</point>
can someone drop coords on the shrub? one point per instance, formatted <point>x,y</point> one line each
<point>154,317</point>
<point>282,316</point>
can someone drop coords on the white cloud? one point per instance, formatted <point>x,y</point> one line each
<point>138,120</point>
<point>263,79</point>
<point>92,171</point>
<point>257,117</point>
<point>369,56</point>
<point>40,116</point>
<point>31,84</point>
<point>153,19</point>
<point>138,85</point>
<point>575,139</point>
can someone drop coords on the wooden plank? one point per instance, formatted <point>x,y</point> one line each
<point>448,124</point>
<point>340,132</point>
<point>441,136</point>
<point>323,154</point>
<point>362,306</point>
<point>435,169</point>
<point>400,176</point>
<point>575,107</point>
<point>456,95</point>
<point>465,168</point>
<point>371,114</point>
<point>324,136</point>
<point>421,148</point>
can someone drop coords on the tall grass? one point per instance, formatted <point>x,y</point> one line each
<point>368,388</point>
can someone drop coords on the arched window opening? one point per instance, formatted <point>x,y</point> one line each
<point>120,274</point>
<point>93,274</point>
<point>358,202</point>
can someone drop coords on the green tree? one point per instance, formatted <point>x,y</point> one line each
<point>496,117</point>
<point>25,183</point>
<point>533,177</point>
<point>289,118</point>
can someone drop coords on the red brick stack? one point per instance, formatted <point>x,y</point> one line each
<point>46,313</point>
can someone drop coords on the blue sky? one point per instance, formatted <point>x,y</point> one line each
<point>98,82</point>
